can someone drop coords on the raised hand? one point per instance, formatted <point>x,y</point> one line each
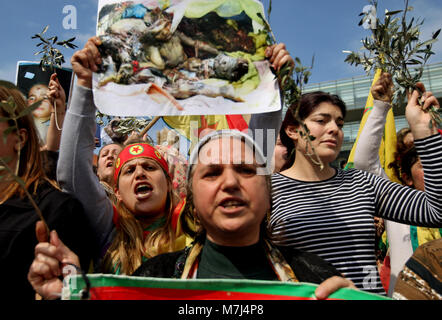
<point>418,116</point>
<point>278,56</point>
<point>383,88</point>
<point>56,93</point>
<point>86,61</point>
<point>47,267</point>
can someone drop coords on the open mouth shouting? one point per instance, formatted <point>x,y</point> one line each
<point>232,205</point>
<point>143,190</point>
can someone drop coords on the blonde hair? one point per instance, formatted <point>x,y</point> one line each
<point>129,246</point>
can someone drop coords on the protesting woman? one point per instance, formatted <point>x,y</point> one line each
<point>22,159</point>
<point>139,224</point>
<point>330,212</point>
<point>402,239</point>
<point>229,201</point>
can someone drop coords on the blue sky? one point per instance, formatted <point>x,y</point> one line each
<point>315,27</point>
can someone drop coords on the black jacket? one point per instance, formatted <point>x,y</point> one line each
<point>307,267</point>
<point>18,218</point>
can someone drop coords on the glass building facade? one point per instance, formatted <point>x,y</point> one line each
<point>354,91</point>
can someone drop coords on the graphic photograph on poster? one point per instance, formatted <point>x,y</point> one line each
<point>183,58</point>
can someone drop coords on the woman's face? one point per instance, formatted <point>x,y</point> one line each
<point>325,124</point>
<point>106,159</point>
<point>9,147</point>
<point>143,187</point>
<point>230,199</point>
<point>279,155</point>
<point>37,93</point>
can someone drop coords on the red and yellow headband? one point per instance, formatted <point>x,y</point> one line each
<point>138,150</point>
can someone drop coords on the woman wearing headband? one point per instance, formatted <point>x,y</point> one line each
<point>228,204</point>
<point>138,224</point>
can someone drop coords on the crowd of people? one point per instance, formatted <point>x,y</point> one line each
<point>223,214</point>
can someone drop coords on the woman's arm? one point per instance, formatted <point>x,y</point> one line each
<point>367,149</point>
<point>74,171</point>
<point>406,205</point>
<point>270,122</point>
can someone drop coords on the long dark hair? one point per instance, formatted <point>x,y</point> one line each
<point>31,169</point>
<point>309,102</point>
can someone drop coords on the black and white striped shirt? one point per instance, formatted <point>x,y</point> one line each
<point>334,218</point>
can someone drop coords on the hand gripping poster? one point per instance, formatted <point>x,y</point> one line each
<point>183,57</point>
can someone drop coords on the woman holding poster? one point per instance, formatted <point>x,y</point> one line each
<point>139,224</point>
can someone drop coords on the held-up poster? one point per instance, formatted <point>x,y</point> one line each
<point>183,57</point>
<point>33,82</point>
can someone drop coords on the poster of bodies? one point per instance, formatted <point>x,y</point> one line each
<point>183,57</point>
<point>33,82</point>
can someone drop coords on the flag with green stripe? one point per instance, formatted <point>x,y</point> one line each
<point>112,287</point>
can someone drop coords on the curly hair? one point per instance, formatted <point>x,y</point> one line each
<point>398,164</point>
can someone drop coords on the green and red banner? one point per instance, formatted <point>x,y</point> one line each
<point>111,287</point>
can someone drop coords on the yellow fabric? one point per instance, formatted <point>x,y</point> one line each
<point>225,8</point>
<point>425,235</point>
<point>388,143</point>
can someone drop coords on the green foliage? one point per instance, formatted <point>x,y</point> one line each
<point>292,78</point>
<point>128,125</point>
<point>52,57</point>
<point>124,126</point>
<point>9,109</point>
<point>395,47</point>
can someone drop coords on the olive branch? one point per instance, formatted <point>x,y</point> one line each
<point>11,115</point>
<point>52,57</point>
<point>125,126</point>
<point>292,79</point>
<point>394,47</point>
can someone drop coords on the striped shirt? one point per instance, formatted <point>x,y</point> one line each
<point>334,218</point>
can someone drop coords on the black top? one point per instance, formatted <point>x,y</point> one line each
<point>18,218</point>
<point>307,267</point>
<point>218,262</point>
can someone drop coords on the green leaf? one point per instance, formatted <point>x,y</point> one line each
<point>8,108</point>
<point>392,13</point>
<point>29,109</point>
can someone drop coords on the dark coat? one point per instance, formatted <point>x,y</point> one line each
<point>18,218</point>
<point>307,267</point>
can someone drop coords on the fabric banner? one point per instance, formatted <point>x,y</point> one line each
<point>183,57</point>
<point>388,143</point>
<point>111,287</point>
